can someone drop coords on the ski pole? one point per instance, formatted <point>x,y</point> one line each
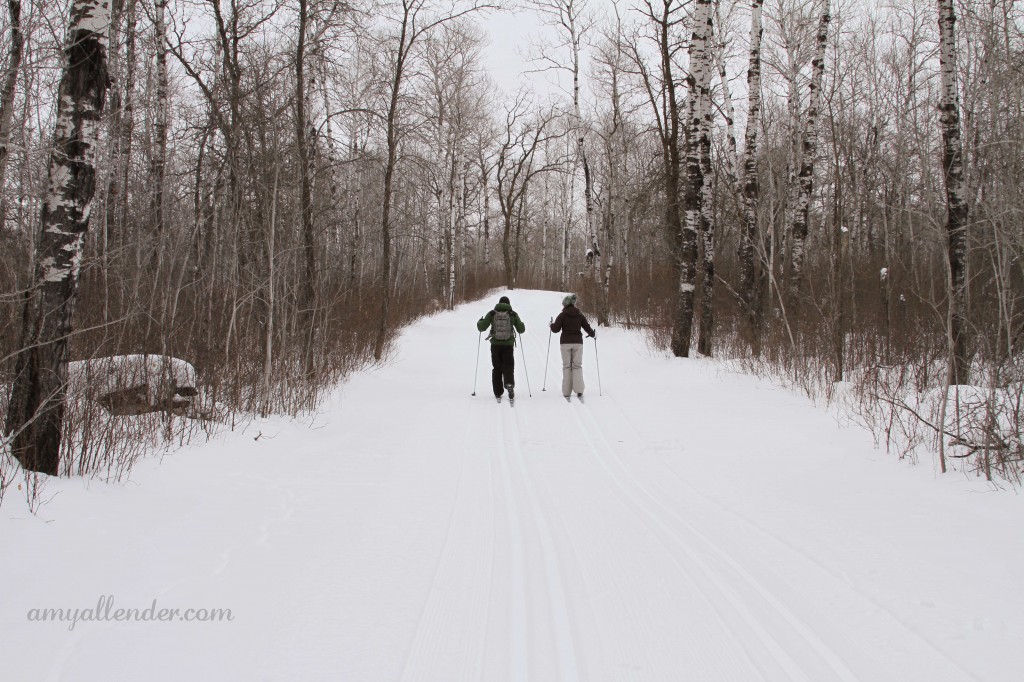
<point>525,373</point>
<point>547,358</point>
<point>598,361</point>
<point>479,337</point>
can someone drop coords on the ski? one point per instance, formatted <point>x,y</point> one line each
<point>498,398</point>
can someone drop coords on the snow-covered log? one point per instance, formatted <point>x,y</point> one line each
<point>136,384</point>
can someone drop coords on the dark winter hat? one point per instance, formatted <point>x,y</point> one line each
<point>569,300</point>
<point>504,299</point>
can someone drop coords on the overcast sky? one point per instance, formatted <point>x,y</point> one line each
<point>510,37</point>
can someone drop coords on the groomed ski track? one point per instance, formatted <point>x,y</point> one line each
<point>662,531</point>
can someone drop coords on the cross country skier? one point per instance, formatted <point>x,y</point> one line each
<point>571,323</point>
<point>504,322</point>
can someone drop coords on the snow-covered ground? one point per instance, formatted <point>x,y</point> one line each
<point>688,524</point>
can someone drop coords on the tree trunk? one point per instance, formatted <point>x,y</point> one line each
<point>303,135</point>
<point>7,89</point>
<point>36,410</point>
<point>956,196</point>
<point>749,293</point>
<point>693,198</point>
<point>158,160</point>
<point>389,175</point>
<point>801,212</point>
<point>707,221</point>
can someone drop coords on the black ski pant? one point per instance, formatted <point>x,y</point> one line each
<point>503,367</point>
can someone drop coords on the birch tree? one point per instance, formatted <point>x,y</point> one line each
<point>7,88</point>
<point>572,19</point>
<point>697,144</point>
<point>158,158</point>
<point>36,410</point>
<point>749,294</point>
<point>701,68</point>
<point>805,179</point>
<point>956,195</point>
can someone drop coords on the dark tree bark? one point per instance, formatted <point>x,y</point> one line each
<point>662,94</point>
<point>36,410</point>
<point>303,138</point>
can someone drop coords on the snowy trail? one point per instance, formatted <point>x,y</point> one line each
<point>689,524</point>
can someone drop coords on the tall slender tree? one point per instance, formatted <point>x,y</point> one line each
<point>662,93</point>
<point>805,179</point>
<point>749,294</point>
<point>36,410</point>
<point>7,88</point>
<point>697,145</point>
<point>956,194</point>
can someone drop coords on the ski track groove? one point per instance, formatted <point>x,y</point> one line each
<point>481,657</point>
<point>641,625</point>
<point>827,654</point>
<point>758,529</point>
<point>436,613</point>
<point>639,622</point>
<point>518,643</point>
<point>657,528</point>
<point>564,644</point>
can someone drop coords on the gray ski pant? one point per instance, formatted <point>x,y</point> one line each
<point>572,368</point>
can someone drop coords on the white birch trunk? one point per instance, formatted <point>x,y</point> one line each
<point>158,161</point>
<point>698,81</point>
<point>36,409</point>
<point>956,195</point>
<point>751,189</point>
<point>801,212</point>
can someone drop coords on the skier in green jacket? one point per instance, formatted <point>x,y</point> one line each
<point>504,322</point>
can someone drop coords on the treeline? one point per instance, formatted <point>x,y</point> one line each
<point>826,191</point>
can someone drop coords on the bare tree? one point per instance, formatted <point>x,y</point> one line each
<point>36,409</point>
<point>10,80</point>
<point>158,158</point>
<point>662,94</point>
<point>805,179</point>
<point>304,131</point>
<point>572,19</point>
<point>698,162</point>
<point>749,294</point>
<point>517,165</point>
<point>956,195</point>
<point>415,19</point>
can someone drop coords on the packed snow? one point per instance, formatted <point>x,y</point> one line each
<point>685,523</point>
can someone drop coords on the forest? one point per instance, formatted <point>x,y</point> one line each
<point>826,192</point>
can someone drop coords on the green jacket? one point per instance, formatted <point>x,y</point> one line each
<point>484,322</point>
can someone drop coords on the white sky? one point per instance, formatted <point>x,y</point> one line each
<point>511,35</point>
